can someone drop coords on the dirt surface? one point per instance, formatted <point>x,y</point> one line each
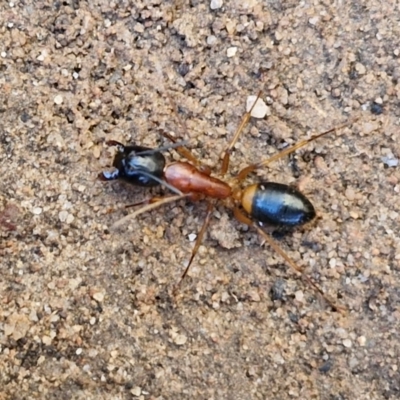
<point>87,312</point>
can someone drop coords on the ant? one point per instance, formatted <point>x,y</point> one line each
<point>275,204</point>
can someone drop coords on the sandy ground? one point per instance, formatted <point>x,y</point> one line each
<point>87,312</point>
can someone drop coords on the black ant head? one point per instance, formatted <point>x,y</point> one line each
<point>140,166</point>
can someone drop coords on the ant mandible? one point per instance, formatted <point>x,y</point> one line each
<point>272,203</point>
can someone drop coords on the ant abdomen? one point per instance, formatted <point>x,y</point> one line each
<point>277,204</point>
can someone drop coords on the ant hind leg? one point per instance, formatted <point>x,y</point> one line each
<point>267,238</point>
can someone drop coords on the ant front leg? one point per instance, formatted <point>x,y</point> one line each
<point>120,147</point>
<point>227,152</point>
<point>186,153</point>
<point>252,167</point>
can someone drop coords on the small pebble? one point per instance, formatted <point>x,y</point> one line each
<point>215,4</point>
<point>347,343</point>
<point>254,296</point>
<point>354,214</point>
<point>350,194</point>
<point>211,40</point>
<point>98,296</point>
<point>46,340</point>
<point>299,295</point>
<point>136,391</point>
<point>260,109</point>
<point>368,128</point>
<point>192,237</point>
<point>58,99</point>
<point>180,340</point>
<point>230,27</point>
<point>360,69</point>
<point>361,340</point>
<point>390,161</point>
<point>37,210</point>
<point>63,215</point>
<point>231,52</point>
<point>376,109</point>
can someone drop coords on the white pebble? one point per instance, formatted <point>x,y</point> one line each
<point>192,237</point>
<point>360,68</point>
<point>215,4</point>
<point>347,343</point>
<point>361,340</point>
<point>70,218</point>
<point>58,99</point>
<point>98,296</point>
<point>63,215</point>
<point>211,40</point>
<point>390,161</point>
<point>180,340</point>
<point>231,52</point>
<point>136,391</point>
<point>37,210</point>
<point>260,110</point>
<point>299,295</point>
<point>46,340</point>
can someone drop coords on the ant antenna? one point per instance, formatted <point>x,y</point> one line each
<point>163,148</point>
<point>161,182</point>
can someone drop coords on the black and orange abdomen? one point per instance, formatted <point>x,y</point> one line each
<point>277,204</point>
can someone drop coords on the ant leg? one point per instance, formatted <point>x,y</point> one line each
<point>148,207</point>
<point>139,203</point>
<point>114,143</point>
<point>244,219</point>
<point>199,240</point>
<point>186,153</point>
<point>252,167</point>
<point>148,201</point>
<point>227,152</point>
